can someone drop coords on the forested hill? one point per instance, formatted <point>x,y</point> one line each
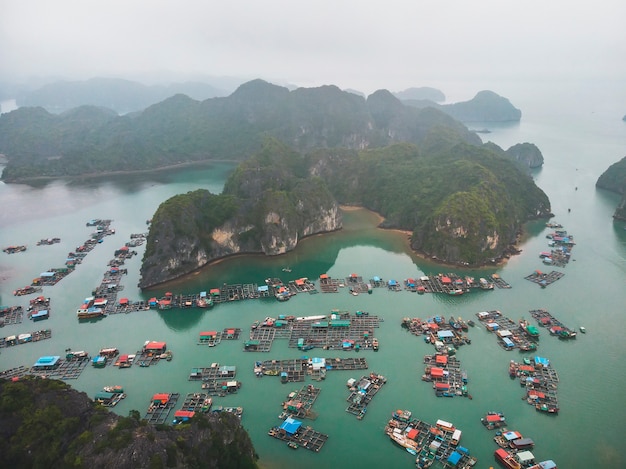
<point>181,129</point>
<point>464,204</point>
<point>614,180</point>
<point>44,424</point>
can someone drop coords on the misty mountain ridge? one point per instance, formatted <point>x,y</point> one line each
<point>122,96</point>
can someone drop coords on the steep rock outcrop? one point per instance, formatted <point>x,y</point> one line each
<point>527,154</point>
<point>265,208</point>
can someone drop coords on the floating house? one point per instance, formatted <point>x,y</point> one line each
<point>49,362</point>
<point>154,347</point>
<point>291,426</point>
<point>40,315</point>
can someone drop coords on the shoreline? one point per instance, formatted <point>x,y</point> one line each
<point>511,250</point>
<point>186,164</point>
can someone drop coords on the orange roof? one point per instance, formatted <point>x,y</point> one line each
<point>161,397</point>
<point>324,276</point>
<point>300,281</point>
<point>435,371</point>
<point>123,301</point>
<point>443,359</point>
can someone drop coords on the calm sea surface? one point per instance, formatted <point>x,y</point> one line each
<point>579,139</point>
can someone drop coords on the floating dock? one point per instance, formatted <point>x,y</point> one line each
<point>297,369</point>
<point>197,402</point>
<point>430,443</point>
<point>299,403</point>
<point>362,392</point>
<point>25,338</point>
<point>554,326</point>
<point>446,375</point>
<point>544,280</point>
<point>11,315</point>
<point>510,335</point>
<point>296,436</point>
<point>540,380</point>
<point>160,408</point>
<point>437,329</point>
<point>215,371</point>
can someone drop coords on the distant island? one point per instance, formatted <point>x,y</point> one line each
<point>486,106</point>
<point>95,140</point>
<point>463,204</point>
<point>614,180</point>
<point>45,423</point>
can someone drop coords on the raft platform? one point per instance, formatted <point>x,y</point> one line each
<point>510,335</point>
<point>68,368</point>
<point>541,383</point>
<point>437,329</point>
<point>341,331</point>
<point>215,371</point>
<point>302,437</point>
<point>299,403</point>
<point>11,315</point>
<point>296,369</point>
<point>197,402</point>
<point>445,373</point>
<point>34,336</point>
<point>544,280</point>
<point>362,393</point>
<point>158,413</point>
<point>556,327</point>
<point>430,442</point>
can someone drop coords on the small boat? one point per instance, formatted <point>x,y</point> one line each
<point>286,269</point>
<point>583,330</point>
<point>412,451</point>
<point>293,444</point>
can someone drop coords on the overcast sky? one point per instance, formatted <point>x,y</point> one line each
<point>358,44</point>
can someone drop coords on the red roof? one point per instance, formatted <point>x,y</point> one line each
<point>435,371</point>
<point>211,333</point>
<point>123,301</point>
<point>324,276</point>
<point>161,397</point>
<point>445,279</point>
<point>123,358</point>
<point>184,413</point>
<point>493,418</point>
<point>412,434</point>
<point>300,281</point>
<point>443,359</point>
<point>124,248</point>
<point>155,346</point>
<point>442,385</point>
<point>230,331</point>
<point>214,291</point>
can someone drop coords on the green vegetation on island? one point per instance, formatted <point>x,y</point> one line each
<point>464,204</point>
<point>45,423</point>
<point>179,129</point>
<point>614,180</point>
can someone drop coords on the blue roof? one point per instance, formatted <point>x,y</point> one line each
<point>392,282</point>
<point>454,458</point>
<point>263,288</point>
<point>43,312</point>
<point>542,361</point>
<point>549,464</point>
<point>49,360</point>
<point>445,334</point>
<point>290,425</point>
<point>376,278</point>
<point>47,274</point>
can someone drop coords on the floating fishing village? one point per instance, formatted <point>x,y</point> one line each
<point>321,335</point>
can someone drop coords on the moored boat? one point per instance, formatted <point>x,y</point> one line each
<point>507,459</point>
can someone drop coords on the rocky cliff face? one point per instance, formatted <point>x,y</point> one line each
<point>45,423</point>
<point>266,208</point>
<point>527,154</point>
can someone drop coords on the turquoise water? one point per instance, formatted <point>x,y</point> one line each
<point>578,143</point>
